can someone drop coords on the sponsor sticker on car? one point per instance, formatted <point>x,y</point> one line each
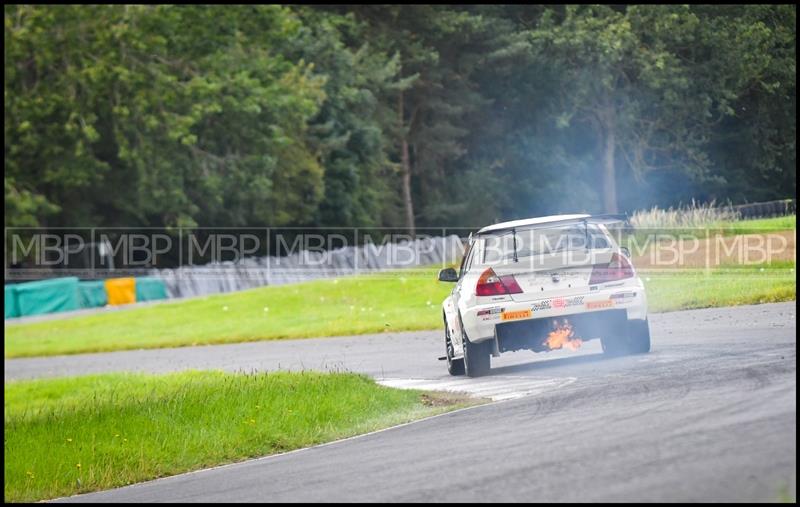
<point>490,314</point>
<point>594,305</point>
<point>561,303</point>
<point>557,303</point>
<point>574,301</point>
<point>519,314</point>
<point>623,297</point>
<point>545,304</point>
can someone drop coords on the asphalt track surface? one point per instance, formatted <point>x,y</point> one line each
<point>709,415</point>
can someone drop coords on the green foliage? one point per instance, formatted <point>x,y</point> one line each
<point>347,130</point>
<point>165,115</point>
<point>730,286</point>
<point>268,115</point>
<point>652,82</point>
<point>385,302</point>
<point>75,435</point>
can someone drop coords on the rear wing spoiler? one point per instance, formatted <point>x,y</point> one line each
<point>604,219</point>
<point>607,219</point>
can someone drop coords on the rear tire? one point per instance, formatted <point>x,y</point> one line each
<point>634,338</point>
<point>454,366</point>
<point>638,336</point>
<point>477,356</point>
<point>612,345</point>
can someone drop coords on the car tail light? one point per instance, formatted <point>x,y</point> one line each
<point>618,269</point>
<point>489,284</point>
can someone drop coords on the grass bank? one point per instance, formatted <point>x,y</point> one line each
<point>74,435</point>
<point>350,305</point>
<point>725,286</point>
<point>664,230</point>
<point>356,305</point>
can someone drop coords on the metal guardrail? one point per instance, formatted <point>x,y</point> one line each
<point>765,209</point>
<point>251,272</point>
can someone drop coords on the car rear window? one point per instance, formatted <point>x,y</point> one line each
<point>539,241</point>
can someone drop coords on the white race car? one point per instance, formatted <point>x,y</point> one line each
<point>542,284</point>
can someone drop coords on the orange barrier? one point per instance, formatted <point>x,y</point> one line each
<point>121,291</point>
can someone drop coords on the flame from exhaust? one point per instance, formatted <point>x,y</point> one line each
<point>563,336</point>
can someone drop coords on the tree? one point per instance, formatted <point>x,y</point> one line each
<point>407,116</point>
<point>754,146</point>
<point>433,97</point>
<point>639,75</point>
<point>347,131</point>
<point>167,115</point>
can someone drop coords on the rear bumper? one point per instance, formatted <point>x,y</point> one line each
<point>532,334</point>
<point>628,301</point>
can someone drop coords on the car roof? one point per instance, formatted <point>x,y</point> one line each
<point>531,221</point>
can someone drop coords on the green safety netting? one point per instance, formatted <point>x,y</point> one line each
<point>10,302</point>
<point>47,296</point>
<point>149,289</point>
<point>92,294</point>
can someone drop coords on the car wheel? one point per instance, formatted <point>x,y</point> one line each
<point>454,366</point>
<point>633,339</point>
<point>612,345</point>
<point>476,356</point>
<point>638,336</point>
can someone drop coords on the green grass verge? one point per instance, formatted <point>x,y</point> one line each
<point>715,222</point>
<point>722,228</point>
<point>728,286</point>
<point>73,435</point>
<point>401,301</point>
<point>759,225</point>
<point>350,305</point>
